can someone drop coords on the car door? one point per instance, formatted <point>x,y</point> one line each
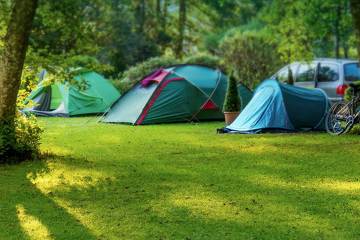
<point>305,75</point>
<point>328,77</point>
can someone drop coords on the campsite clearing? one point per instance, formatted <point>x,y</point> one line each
<point>181,181</point>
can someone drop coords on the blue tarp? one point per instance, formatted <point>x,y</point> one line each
<point>280,107</point>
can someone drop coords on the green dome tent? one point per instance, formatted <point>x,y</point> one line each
<point>176,94</point>
<point>66,100</point>
<point>281,107</point>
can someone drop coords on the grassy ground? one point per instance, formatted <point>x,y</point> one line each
<point>182,181</point>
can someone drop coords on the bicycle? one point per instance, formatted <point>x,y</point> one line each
<point>344,115</point>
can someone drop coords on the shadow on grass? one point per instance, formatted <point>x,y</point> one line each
<point>193,189</point>
<point>211,197</point>
<point>26,213</point>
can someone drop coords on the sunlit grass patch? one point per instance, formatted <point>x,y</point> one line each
<point>31,225</point>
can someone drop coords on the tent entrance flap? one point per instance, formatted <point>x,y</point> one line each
<point>56,97</point>
<point>209,105</point>
<point>44,101</point>
<point>130,105</point>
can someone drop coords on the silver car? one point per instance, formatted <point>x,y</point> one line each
<point>331,75</point>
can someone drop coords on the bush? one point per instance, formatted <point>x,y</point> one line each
<point>349,93</point>
<point>251,55</point>
<point>21,139</point>
<point>27,135</point>
<point>27,139</point>
<point>135,73</point>
<point>120,85</point>
<point>232,100</point>
<point>355,130</point>
<point>207,60</point>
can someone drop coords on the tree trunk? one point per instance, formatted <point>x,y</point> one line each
<point>159,18</point>
<point>337,31</point>
<point>140,11</point>
<point>355,11</point>
<point>346,50</point>
<point>182,22</point>
<point>158,11</point>
<point>12,62</point>
<point>165,14</point>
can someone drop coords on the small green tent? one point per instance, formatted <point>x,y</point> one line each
<point>66,100</point>
<point>176,94</point>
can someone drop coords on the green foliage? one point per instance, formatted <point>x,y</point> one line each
<point>28,134</point>
<point>304,29</point>
<point>27,139</point>
<point>121,86</point>
<point>135,73</point>
<point>205,59</point>
<point>295,38</point>
<point>107,30</point>
<point>212,41</point>
<point>25,129</point>
<point>251,55</point>
<point>355,130</point>
<point>232,101</point>
<point>5,9</point>
<point>60,68</point>
<point>349,93</point>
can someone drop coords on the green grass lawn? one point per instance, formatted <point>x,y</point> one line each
<point>181,181</point>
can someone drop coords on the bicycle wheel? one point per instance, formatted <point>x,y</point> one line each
<point>339,119</point>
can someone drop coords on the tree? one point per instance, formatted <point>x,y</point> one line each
<point>11,64</point>
<point>355,11</point>
<point>251,55</point>
<point>140,14</point>
<point>181,28</point>
<point>232,101</point>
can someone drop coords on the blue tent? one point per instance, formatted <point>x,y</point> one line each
<point>280,107</point>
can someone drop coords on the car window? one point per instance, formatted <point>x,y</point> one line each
<point>352,72</point>
<point>283,75</point>
<point>328,72</point>
<point>305,73</point>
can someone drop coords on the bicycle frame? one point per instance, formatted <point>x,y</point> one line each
<point>354,104</point>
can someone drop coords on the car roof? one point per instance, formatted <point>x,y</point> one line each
<point>340,61</point>
<point>336,60</point>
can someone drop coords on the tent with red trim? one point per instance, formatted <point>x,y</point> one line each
<point>181,93</point>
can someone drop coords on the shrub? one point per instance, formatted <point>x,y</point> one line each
<point>251,55</point>
<point>138,71</point>
<point>232,100</point>
<point>207,60</point>
<point>356,130</point>
<point>349,93</point>
<point>120,85</point>
<point>27,139</point>
<point>28,134</point>
<point>21,140</point>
